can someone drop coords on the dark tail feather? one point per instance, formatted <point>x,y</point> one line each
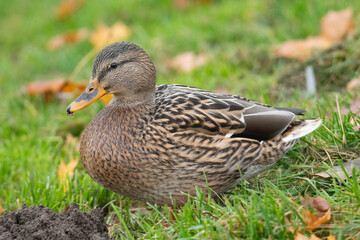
<point>296,111</point>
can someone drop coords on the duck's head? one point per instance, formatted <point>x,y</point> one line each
<point>122,69</point>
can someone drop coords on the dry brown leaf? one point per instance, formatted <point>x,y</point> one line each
<point>54,86</point>
<point>314,237</point>
<point>335,25</point>
<point>300,236</point>
<point>353,84</point>
<point>312,222</point>
<point>39,87</point>
<point>67,8</point>
<point>2,210</point>
<point>104,35</point>
<point>186,62</point>
<point>331,237</point>
<point>348,166</point>
<point>318,203</point>
<point>59,41</point>
<point>61,88</point>
<point>67,170</point>
<point>301,49</point>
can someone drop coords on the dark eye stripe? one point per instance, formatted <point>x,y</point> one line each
<point>105,71</point>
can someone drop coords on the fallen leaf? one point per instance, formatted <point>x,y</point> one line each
<point>104,35</point>
<point>45,86</point>
<point>300,236</point>
<point>60,88</point>
<point>67,7</point>
<point>348,166</point>
<point>72,143</point>
<point>314,237</point>
<point>59,41</point>
<point>331,237</point>
<point>66,171</point>
<point>334,27</point>
<point>318,203</point>
<point>353,84</point>
<point>301,49</point>
<point>312,222</point>
<point>2,210</point>
<point>186,62</point>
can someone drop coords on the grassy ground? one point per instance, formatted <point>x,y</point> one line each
<point>238,35</point>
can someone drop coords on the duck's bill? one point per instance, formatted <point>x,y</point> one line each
<point>92,92</point>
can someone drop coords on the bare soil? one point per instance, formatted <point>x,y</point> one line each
<point>43,223</point>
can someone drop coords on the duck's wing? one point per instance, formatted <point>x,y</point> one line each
<point>181,108</point>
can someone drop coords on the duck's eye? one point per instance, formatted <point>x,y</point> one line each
<point>113,65</point>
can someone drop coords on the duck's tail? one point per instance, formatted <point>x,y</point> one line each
<point>274,149</point>
<point>299,128</point>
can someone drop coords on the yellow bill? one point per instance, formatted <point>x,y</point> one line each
<point>92,92</point>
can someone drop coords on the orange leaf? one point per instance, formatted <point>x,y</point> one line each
<point>300,236</point>
<point>59,87</point>
<point>336,25</point>
<point>319,203</point>
<point>2,210</point>
<point>59,41</point>
<point>186,62</point>
<point>45,86</point>
<point>67,7</point>
<point>104,35</point>
<point>312,222</point>
<point>66,170</point>
<point>331,237</point>
<point>71,87</point>
<point>314,237</point>
<point>353,84</point>
<point>301,49</point>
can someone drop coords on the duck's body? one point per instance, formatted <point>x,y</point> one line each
<point>163,144</point>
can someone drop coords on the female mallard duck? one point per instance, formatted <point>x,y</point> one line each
<point>155,143</point>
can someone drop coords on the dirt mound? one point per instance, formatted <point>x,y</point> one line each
<point>43,223</point>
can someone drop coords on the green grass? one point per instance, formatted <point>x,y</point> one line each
<point>239,36</point>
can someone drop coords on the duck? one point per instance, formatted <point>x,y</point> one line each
<point>158,143</point>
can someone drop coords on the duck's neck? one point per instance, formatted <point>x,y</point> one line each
<point>127,114</point>
<point>125,102</point>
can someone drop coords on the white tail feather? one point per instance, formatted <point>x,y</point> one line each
<point>307,127</point>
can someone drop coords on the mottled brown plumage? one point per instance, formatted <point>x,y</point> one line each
<point>155,143</point>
